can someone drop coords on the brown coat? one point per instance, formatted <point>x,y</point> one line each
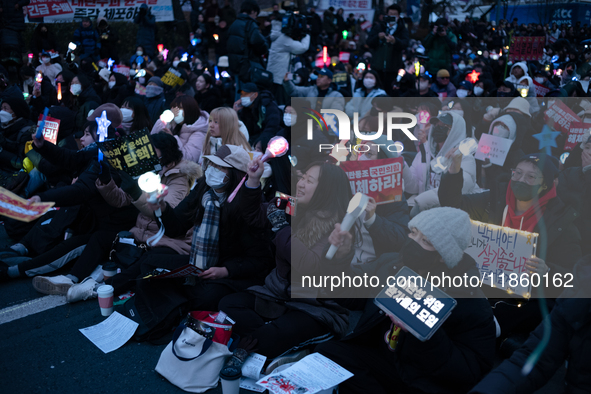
<point>179,180</point>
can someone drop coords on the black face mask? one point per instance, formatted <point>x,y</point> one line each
<point>570,72</point>
<point>417,258</point>
<point>439,133</point>
<point>503,94</point>
<point>524,191</point>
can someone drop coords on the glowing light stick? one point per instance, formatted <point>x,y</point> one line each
<point>185,57</point>
<point>217,73</point>
<point>165,53</point>
<point>466,147</point>
<point>356,207</point>
<point>216,37</point>
<point>110,63</point>
<point>523,90</point>
<point>424,117</point>
<point>39,134</point>
<point>417,68</point>
<point>59,91</point>
<point>103,125</point>
<point>167,117</point>
<point>160,47</point>
<point>72,46</point>
<point>473,76</point>
<point>324,54</point>
<point>276,147</point>
<point>401,73</point>
<point>150,183</point>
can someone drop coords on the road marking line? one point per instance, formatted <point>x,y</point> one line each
<point>25,309</point>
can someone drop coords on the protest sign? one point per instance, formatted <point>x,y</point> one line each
<point>140,89</point>
<point>541,90</point>
<point>500,254</point>
<point>380,179</point>
<point>577,133</point>
<point>172,78</point>
<point>559,117</point>
<point>526,48</point>
<point>50,129</point>
<point>18,208</point>
<point>131,153</point>
<point>113,10</point>
<point>493,148</point>
<point>122,70</point>
<point>417,305</point>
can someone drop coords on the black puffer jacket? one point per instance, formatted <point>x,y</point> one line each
<point>12,18</point>
<point>263,116</point>
<point>570,340</point>
<point>245,38</point>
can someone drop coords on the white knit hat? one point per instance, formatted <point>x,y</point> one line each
<point>520,104</point>
<point>448,230</point>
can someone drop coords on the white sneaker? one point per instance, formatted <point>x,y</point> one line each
<point>57,285</point>
<point>82,291</point>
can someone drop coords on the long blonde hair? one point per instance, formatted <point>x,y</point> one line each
<point>229,129</point>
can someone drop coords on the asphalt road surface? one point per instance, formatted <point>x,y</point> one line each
<point>43,351</point>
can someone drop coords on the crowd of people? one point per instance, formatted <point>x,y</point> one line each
<point>231,90</point>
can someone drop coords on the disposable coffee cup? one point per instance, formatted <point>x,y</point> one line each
<point>230,377</point>
<point>109,270</point>
<point>105,299</point>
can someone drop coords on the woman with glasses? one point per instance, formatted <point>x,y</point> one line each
<point>531,204</point>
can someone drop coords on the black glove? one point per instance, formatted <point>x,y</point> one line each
<point>130,186</point>
<point>276,216</point>
<point>105,173</point>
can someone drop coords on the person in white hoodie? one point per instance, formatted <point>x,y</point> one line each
<point>518,70</point>
<point>447,131</point>
<point>534,107</point>
<point>282,47</point>
<point>47,68</point>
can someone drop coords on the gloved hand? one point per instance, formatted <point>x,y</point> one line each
<point>130,186</point>
<point>276,216</point>
<point>105,173</point>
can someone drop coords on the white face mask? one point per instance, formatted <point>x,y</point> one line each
<point>462,93</point>
<point>297,79</point>
<point>461,66</point>
<point>245,101</point>
<point>539,80</point>
<point>289,119</point>
<point>139,53</point>
<point>45,60</point>
<point>30,82</point>
<point>423,85</point>
<point>175,63</point>
<point>500,131</point>
<point>112,84</point>
<point>76,89</point>
<point>478,91</point>
<point>215,178</point>
<point>127,114</point>
<point>369,83</point>
<point>5,117</point>
<point>180,117</point>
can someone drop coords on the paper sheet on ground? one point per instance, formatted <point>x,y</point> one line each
<point>18,208</point>
<point>251,372</point>
<point>112,333</point>
<point>310,375</point>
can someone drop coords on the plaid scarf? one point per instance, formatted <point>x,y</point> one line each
<point>204,248</point>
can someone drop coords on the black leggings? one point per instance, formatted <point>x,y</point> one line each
<point>276,337</point>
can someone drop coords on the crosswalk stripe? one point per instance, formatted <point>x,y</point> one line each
<point>25,309</point>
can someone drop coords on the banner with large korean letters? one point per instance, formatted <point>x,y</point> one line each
<point>53,11</point>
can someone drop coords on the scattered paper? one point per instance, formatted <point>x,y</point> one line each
<point>251,384</point>
<point>112,333</point>
<point>251,372</point>
<point>310,375</point>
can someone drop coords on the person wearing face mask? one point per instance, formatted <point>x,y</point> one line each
<point>146,34</point>
<point>442,86</point>
<point>424,86</point>
<point>321,88</point>
<point>15,125</point>
<point>388,39</point>
<point>361,101</point>
<point>47,68</point>
<point>383,357</point>
<point>542,77</point>
<point>118,89</point>
<point>505,89</point>
<point>189,126</point>
<point>84,97</point>
<point>140,57</point>
<point>258,111</point>
<point>40,95</point>
<point>518,70</point>
<point>464,90</point>
<point>154,99</point>
<point>232,256</point>
<point>135,115</point>
<point>43,39</point>
<point>530,204</point>
<point>534,107</point>
<point>87,40</point>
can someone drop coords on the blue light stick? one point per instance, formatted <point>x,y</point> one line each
<point>103,124</point>
<point>39,134</point>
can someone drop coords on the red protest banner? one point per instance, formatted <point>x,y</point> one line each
<point>50,129</point>
<point>559,117</point>
<point>541,90</point>
<point>576,134</point>
<point>380,179</point>
<point>43,8</point>
<point>527,48</point>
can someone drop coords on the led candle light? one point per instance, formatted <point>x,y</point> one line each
<point>167,117</point>
<point>276,147</point>
<point>356,207</point>
<point>523,90</point>
<point>59,91</point>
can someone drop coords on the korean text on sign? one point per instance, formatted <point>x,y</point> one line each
<point>380,179</point>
